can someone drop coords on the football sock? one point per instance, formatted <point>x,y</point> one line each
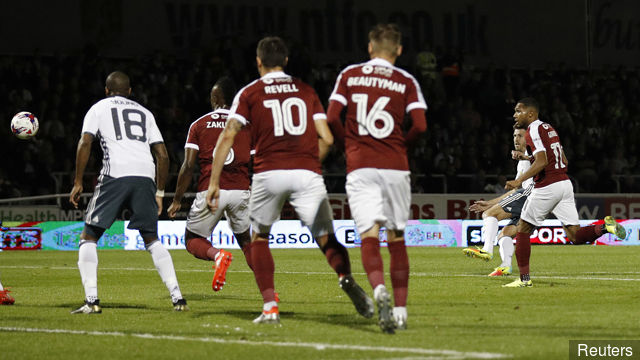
<point>88,266</point>
<point>337,256</point>
<point>506,250</point>
<point>400,312</point>
<point>1,288</point>
<point>244,241</point>
<point>523,253</point>
<point>269,305</point>
<point>263,269</point>
<point>489,232</point>
<point>372,261</point>
<point>246,250</point>
<point>164,265</point>
<point>399,270</point>
<point>587,234</point>
<point>201,248</point>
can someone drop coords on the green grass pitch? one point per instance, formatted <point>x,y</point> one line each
<point>455,310</point>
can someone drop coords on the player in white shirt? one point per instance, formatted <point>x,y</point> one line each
<point>128,137</point>
<point>509,205</point>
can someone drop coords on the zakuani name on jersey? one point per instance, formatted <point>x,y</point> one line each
<point>216,124</point>
<point>370,81</point>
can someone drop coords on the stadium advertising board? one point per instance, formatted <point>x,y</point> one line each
<point>285,234</point>
<point>55,235</point>
<point>456,206</point>
<point>552,233</point>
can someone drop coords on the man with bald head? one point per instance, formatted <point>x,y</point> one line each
<point>129,179</point>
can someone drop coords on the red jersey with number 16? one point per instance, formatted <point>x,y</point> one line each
<point>542,137</point>
<point>281,111</point>
<point>377,96</point>
<point>203,135</point>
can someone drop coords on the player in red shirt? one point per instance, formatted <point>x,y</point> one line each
<point>377,95</point>
<point>202,137</point>
<point>290,136</point>
<point>552,192</point>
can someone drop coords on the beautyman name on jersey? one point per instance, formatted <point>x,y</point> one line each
<point>370,81</point>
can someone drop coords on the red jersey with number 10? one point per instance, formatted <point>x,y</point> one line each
<point>203,135</point>
<point>377,96</point>
<point>542,137</point>
<point>281,110</point>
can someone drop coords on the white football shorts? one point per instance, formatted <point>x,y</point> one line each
<point>305,191</point>
<point>381,196</point>
<point>556,198</point>
<point>233,203</point>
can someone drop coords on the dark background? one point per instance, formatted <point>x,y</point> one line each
<point>474,59</point>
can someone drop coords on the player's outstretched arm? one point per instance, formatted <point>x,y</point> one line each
<point>483,205</point>
<point>220,153</point>
<point>538,165</point>
<point>162,170</point>
<point>184,179</point>
<point>325,138</point>
<point>82,157</point>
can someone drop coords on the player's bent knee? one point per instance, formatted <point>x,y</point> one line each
<point>92,232</point>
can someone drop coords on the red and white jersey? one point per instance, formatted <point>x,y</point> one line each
<point>203,136</point>
<point>281,111</point>
<point>377,96</point>
<point>542,137</point>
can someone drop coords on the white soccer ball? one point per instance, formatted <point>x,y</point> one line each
<point>24,125</point>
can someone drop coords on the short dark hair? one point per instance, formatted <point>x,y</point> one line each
<point>386,38</point>
<point>117,83</point>
<point>228,88</point>
<point>272,51</point>
<point>530,102</point>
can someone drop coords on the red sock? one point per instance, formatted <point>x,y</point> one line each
<point>246,250</point>
<point>372,261</point>
<point>337,256</point>
<point>523,252</point>
<point>399,269</point>
<point>588,234</point>
<point>263,269</point>
<point>201,248</point>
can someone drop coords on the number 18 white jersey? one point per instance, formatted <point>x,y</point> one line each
<point>126,131</point>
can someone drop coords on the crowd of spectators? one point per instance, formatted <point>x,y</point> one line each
<point>466,148</point>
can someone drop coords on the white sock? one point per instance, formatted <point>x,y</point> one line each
<point>1,288</point>
<point>269,305</point>
<point>164,265</point>
<point>489,232</point>
<point>88,266</point>
<point>380,288</point>
<point>400,313</point>
<point>506,250</point>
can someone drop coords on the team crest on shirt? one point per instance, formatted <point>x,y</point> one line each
<point>267,81</point>
<point>367,69</point>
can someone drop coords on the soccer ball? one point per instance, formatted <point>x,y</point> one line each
<point>24,125</point>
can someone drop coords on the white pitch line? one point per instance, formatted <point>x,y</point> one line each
<point>449,354</point>
<point>420,274</point>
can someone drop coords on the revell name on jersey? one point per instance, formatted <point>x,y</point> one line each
<point>370,81</point>
<point>279,89</point>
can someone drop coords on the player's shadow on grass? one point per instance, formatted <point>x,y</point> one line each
<point>109,305</point>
